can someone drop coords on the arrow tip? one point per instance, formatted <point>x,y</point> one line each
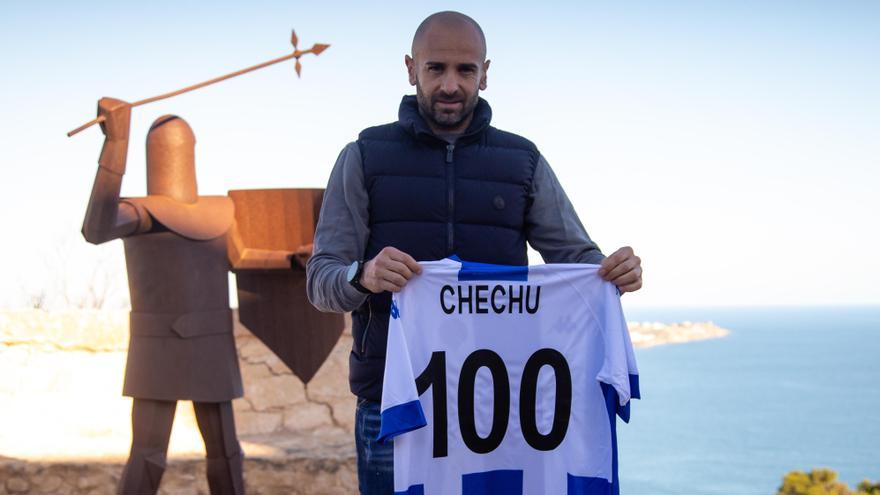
<point>317,48</point>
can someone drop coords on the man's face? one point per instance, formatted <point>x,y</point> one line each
<point>448,71</point>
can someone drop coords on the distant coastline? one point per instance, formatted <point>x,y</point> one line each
<point>648,334</point>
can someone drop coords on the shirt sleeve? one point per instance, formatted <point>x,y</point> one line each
<point>552,226</point>
<point>401,410</point>
<point>340,236</point>
<point>619,366</point>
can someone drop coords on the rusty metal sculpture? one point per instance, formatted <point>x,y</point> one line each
<point>273,220</point>
<point>181,345</point>
<point>179,247</point>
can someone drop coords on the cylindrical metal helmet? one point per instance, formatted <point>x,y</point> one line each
<point>171,169</point>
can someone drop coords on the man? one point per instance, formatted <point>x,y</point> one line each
<point>438,182</point>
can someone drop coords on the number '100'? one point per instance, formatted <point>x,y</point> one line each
<point>434,377</point>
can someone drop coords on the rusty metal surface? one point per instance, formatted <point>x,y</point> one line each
<point>273,304</point>
<point>106,218</point>
<point>181,344</point>
<point>206,218</point>
<point>260,229</point>
<point>171,161</point>
<point>277,218</point>
<point>175,253</point>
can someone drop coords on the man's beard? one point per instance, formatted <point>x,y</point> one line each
<point>445,120</point>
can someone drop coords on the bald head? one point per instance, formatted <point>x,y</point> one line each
<point>448,20</point>
<point>448,68</point>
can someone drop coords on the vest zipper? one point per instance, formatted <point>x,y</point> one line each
<point>367,328</point>
<point>450,198</point>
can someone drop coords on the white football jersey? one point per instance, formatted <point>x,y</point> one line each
<point>506,380</point>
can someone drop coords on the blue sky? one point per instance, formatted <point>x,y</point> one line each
<point>733,144</point>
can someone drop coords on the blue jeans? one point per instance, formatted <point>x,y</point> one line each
<point>375,460</point>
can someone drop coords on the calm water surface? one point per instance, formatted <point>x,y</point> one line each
<point>790,388</point>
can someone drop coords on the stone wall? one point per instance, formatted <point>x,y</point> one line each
<point>65,426</point>
<point>276,401</point>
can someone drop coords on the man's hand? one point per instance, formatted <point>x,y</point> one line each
<point>390,270</point>
<point>623,269</point>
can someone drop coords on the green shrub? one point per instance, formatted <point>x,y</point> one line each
<point>822,481</point>
<point>868,488</point>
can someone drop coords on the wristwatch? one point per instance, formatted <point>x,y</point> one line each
<point>354,277</point>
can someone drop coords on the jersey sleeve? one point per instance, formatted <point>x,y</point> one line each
<point>619,369</point>
<point>401,410</point>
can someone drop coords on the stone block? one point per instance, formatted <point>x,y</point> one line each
<point>48,483</point>
<point>253,350</point>
<point>241,405</point>
<point>17,485</point>
<point>276,364</point>
<point>257,423</point>
<point>307,417</point>
<point>275,391</point>
<point>251,372</point>
<point>343,413</point>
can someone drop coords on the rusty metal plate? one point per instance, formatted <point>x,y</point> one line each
<point>272,303</point>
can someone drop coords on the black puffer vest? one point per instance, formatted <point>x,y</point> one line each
<point>432,199</point>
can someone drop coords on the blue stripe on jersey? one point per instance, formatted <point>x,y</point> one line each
<point>413,490</point>
<point>506,481</point>
<point>634,387</point>
<point>634,393</point>
<point>623,411</point>
<point>472,271</point>
<point>586,485</point>
<point>612,404</point>
<point>400,419</point>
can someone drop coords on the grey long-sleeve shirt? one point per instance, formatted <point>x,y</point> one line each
<point>552,228</point>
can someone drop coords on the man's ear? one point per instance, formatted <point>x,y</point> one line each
<point>410,69</point>
<point>483,79</point>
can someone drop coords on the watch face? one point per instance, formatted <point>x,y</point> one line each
<point>352,272</point>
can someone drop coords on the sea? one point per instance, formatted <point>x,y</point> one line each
<point>791,388</point>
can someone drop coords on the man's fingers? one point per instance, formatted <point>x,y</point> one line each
<point>627,278</point>
<point>624,267</point>
<point>608,264</point>
<point>390,286</point>
<point>399,268</point>
<point>409,261</point>
<point>630,287</point>
<point>393,278</point>
<point>612,261</point>
<point>390,270</point>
